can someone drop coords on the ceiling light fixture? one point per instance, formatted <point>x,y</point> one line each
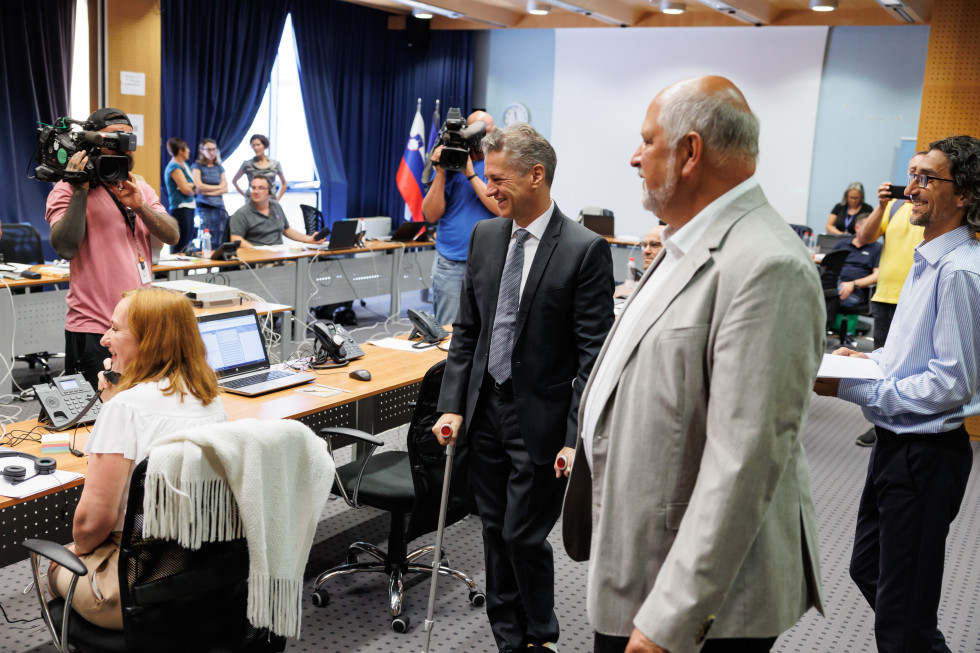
<point>429,9</point>
<point>422,13</point>
<point>823,5</point>
<point>538,8</point>
<point>673,8</point>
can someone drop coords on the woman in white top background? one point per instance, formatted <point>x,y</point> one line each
<point>165,386</point>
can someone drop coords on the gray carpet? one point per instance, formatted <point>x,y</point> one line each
<point>356,619</point>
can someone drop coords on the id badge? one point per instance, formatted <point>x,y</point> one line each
<point>144,270</point>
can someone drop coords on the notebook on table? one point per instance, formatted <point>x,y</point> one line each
<point>237,354</point>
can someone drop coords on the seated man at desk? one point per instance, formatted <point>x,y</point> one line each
<point>262,221</point>
<point>650,247</point>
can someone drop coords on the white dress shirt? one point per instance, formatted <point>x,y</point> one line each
<point>676,244</point>
<point>535,231</point>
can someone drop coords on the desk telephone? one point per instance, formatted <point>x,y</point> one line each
<point>68,401</point>
<point>424,326</point>
<point>336,343</point>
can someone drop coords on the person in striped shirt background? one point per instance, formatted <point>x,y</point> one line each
<point>921,462</point>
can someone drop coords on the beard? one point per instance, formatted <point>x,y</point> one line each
<point>922,219</point>
<point>655,199</point>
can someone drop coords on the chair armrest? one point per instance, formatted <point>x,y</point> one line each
<point>58,554</point>
<point>353,434</point>
<point>65,558</point>
<point>361,437</point>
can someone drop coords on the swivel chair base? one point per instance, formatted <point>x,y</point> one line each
<point>396,571</point>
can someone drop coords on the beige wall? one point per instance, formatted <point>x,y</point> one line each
<point>133,28</point>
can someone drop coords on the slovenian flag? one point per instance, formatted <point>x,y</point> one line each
<point>409,177</point>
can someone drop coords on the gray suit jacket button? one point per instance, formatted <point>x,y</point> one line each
<point>705,627</point>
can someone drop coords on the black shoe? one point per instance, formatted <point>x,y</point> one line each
<point>867,438</point>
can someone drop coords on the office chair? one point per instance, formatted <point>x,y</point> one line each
<point>830,268</point>
<point>21,243</point>
<point>173,598</point>
<point>802,231</point>
<point>401,483</point>
<point>312,219</point>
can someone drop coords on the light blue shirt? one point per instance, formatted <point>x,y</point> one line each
<point>931,359</point>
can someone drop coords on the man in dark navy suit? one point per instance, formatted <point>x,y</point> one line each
<point>535,309</point>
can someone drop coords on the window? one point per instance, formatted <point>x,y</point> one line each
<point>79,102</point>
<point>280,117</point>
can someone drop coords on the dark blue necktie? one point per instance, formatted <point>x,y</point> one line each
<point>508,301</point>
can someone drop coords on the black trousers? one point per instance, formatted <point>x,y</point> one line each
<point>913,491</point>
<point>84,355</point>
<point>882,314</point>
<point>612,644</point>
<point>185,225</point>
<point>519,504</point>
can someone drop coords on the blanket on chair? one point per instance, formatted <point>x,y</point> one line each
<point>265,479</point>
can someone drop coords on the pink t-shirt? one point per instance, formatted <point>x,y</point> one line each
<point>105,265</point>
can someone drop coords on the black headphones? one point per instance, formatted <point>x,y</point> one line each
<point>18,473</point>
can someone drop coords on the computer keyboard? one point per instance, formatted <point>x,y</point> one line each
<point>255,379</point>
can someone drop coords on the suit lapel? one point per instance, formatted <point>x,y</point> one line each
<point>541,257</point>
<point>498,242</point>
<point>672,286</point>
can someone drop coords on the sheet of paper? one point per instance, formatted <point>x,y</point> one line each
<point>848,367</point>
<point>32,485</point>
<point>132,83</point>
<point>396,343</point>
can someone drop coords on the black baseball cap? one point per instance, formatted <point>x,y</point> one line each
<point>104,117</point>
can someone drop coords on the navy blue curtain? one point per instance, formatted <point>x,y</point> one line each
<point>216,63</point>
<point>360,84</point>
<point>35,56</point>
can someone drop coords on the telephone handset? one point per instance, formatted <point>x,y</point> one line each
<point>336,343</point>
<point>68,401</point>
<point>425,327</point>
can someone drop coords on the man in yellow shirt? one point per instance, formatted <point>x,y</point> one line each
<point>891,220</point>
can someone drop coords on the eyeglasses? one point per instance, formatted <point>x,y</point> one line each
<point>649,244</point>
<point>922,179</point>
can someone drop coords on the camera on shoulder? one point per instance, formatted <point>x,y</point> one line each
<point>57,143</point>
<point>458,139</point>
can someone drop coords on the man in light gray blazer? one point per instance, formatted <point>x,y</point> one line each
<point>690,489</point>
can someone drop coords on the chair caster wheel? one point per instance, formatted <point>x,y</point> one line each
<point>478,599</point>
<point>400,624</point>
<point>321,598</point>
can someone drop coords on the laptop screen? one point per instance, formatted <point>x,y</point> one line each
<point>233,342</point>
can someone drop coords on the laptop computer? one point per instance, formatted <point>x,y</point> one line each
<point>603,224</point>
<point>343,234</point>
<point>411,231</point>
<point>236,352</point>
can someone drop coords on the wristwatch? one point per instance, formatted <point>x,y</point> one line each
<point>470,177</point>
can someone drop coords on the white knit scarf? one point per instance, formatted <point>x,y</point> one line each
<point>277,472</point>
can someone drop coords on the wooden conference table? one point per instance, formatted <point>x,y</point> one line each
<point>374,406</point>
<point>303,278</point>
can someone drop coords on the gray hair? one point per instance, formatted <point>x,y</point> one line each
<point>854,185</point>
<point>728,127</point>
<point>525,148</point>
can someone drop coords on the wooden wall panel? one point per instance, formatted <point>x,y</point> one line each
<point>133,28</point>
<point>951,91</point>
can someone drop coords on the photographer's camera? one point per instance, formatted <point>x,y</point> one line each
<point>57,143</point>
<point>458,139</point>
